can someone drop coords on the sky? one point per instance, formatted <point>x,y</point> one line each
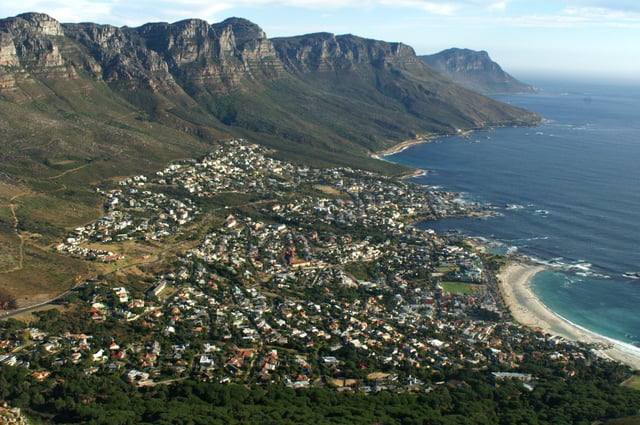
<point>528,38</point>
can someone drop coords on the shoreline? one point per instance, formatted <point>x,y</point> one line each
<point>422,139</point>
<point>400,147</point>
<point>526,308</point>
<point>380,155</point>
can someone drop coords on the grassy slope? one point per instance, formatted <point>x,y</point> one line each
<point>59,139</point>
<point>65,136</point>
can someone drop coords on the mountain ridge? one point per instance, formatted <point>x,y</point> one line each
<point>229,78</point>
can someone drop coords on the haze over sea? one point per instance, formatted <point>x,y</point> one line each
<point>566,193</point>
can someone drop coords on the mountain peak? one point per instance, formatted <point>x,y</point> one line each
<point>243,30</point>
<point>29,40</point>
<point>188,23</point>
<point>462,60</point>
<point>41,22</point>
<point>475,70</point>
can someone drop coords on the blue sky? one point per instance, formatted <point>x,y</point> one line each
<point>527,37</point>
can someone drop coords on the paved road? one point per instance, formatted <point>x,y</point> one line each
<point>62,296</point>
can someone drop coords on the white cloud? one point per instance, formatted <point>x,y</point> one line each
<point>619,5</point>
<point>573,17</point>
<point>120,12</point>
<point>438,8</point>
<point>78,11</point>
<point>513,13</point>
<point>132,11</point>
<point>602,13</point>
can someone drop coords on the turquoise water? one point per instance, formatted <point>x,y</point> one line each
<point>565,193</point>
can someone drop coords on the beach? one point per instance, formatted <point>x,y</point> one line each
<point>400,147</point>
<point>417,141</point>
<point>526,309</point>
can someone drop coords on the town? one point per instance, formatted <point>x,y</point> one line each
<point>286,275</point>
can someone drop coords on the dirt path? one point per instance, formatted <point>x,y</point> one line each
<point>16,223</point>
<point>64,173</point>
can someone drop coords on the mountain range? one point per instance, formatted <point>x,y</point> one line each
<point>82,103</point>
<point>211,80</point>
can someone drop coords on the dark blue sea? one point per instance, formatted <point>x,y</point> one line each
<point>565,193</point>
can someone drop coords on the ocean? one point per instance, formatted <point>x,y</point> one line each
<point>565,193</point>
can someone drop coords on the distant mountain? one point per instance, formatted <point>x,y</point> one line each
<point>476,71</point>
<point>81,103</point>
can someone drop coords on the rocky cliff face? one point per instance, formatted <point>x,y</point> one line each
<point>33,45</point>
<point>218,56</point>
<point>327,52</point>
<point>28,45</point>
<point>476,71</point>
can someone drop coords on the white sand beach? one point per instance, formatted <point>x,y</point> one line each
<point>400,147</point>
<point>527,309</point>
